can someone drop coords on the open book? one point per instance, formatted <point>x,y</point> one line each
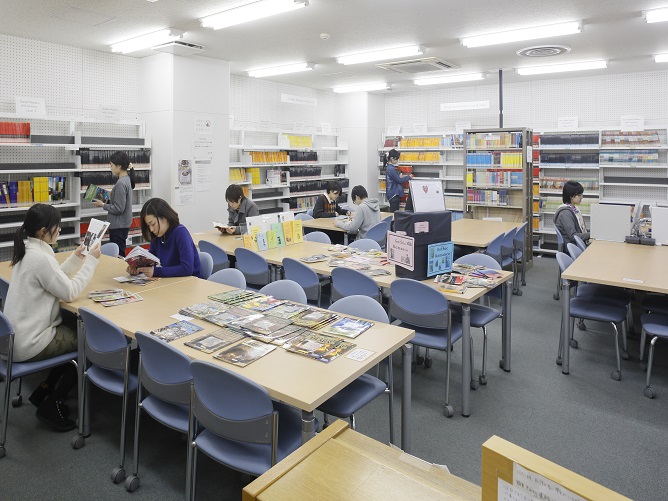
<point>221,226</point>
<point>94,192</point>
<point>94,234</point>
<point>141,258</point>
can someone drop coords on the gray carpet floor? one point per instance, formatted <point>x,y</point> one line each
<point>600,428</point>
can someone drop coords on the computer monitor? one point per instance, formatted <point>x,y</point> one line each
<point>427,195</point>
<point>610,222</point>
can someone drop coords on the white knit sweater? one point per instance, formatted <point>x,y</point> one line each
<point>38,284</point>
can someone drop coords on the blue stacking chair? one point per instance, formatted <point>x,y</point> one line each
<point>655,325</point>
<point>106,365</point>
<point>494,248</point>
<point>11,370</point>
<point>164,374</point>
<point>110,249</point>
<point>560,248</point>
<point>349,282</point>
<point>305,277</point>
<point>579,242</point>
<point>304,216</point>
<point>235,422</point>
<point>365,244</point>
<point>220,258</point>
<point>309,212</point>
<point>378,232</point>
<point>254,267</point>
<point>229,276</point>
<point>518,254</point>
<point>365,388</point>
<point>425,310</point>
<point>4,289</point>
<point>318,236</point>
<point>206,264</point>
<point>288,290</point>
<point>655,303</point>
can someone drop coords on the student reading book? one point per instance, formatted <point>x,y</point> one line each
<point>94,234</point>
<point>238,208</point>
<point>95,193</point>
<point>366,215</point>
<point>326,205</point>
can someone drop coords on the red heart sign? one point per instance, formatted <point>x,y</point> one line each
<point>425,189</point>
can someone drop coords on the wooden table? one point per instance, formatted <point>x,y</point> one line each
<point>326,224</point>
<point>618,264</point>
<point>342,464</point>
<point>478,232</point>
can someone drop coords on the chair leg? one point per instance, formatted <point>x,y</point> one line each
<point>617,375</point>
<point>118,473</point>
<point>352,421</point>
<point>5,415</point>
<point>625,344</point>
<point>390,381</point>
<point>325,420</point>
<point>132,482</point>
<point>78,441</point>
<point>17,398</point>
<point>449,410</point>
<point>643,335</point>
<point>649,392</point>
<point>483,376</point>
<point>193,471</point>
<point>473,383</point>
<point>556,295</point>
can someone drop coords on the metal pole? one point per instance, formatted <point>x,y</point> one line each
<point>500,98</point>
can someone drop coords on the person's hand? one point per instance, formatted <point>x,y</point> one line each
<point>97,203</point>
<point>79,251</point>
<point>230,230</point>
<point>410,175</point>
<point>132,271</point>
<point>148,271</point>
<point>348,213</point>
<point>95,251</point>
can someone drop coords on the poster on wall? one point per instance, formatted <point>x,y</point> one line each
<point>203,175</point>
<point>184,193</point>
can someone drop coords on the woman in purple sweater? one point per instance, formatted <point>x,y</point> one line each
<point>170,242</point>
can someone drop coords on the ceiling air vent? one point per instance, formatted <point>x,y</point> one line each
<point>543,51</point>
<point>179,48</point>
<point>422,65</point>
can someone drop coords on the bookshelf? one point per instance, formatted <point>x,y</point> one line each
<point>286,170</point>
<point>430,155</point>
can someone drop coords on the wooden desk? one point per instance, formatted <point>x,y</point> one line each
<point>342,464</point>
<point>478,232</point>
<point>326,224</point>
<point>618,264</point>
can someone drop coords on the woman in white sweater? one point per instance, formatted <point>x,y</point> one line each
<point>32,306</point>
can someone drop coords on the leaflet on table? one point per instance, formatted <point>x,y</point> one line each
<point>94,233</point>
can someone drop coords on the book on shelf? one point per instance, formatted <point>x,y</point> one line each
<point>319,347</point>
<point>94,192</point>
<point>215,341</point>
<point>245,353</point>
<point>176,330</point>
<point>14,132</point>
<point>94,233</point>
<point>347,327</point>
<point>141,258</point>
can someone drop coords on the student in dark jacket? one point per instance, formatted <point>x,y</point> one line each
<point>326,204</point>
<point>238,208</point>
<point>568,218</point>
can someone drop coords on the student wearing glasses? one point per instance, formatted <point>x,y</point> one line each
<point>239,207</point>
<point>326,205</point>
<point>568,218</point>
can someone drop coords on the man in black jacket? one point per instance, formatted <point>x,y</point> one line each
<point>326,204</point>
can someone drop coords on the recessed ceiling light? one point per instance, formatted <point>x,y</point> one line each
<point>281,70</point>
<point>381,55</point>
<point>661,58</point>
<point>560,68</point>
<point>449,79</point>
<point>250,12</point>
<point>147,41</point>
<point>362,87</point>
<point>656,16</point>
<point>551,30</point>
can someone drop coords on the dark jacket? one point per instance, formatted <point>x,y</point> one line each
<point>238,216</point>
<point>566,222</point>
<point>325,208</point>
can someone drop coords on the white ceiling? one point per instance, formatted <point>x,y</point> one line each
<point>612,30</point>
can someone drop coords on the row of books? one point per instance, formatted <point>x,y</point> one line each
<point>256,175</point>
<point>551,204</point>
<point>484,159</point>
<point>449,140</point>
<point>142,177</point>
<point>557,183</point>
<point>421,156</point>
<point>630,138</point>
<point>302,156</point>
<point>632,157</point>
<point>269,157</point>
<point>305,171</point>
<point>280,235</point>
<point>487,197</point>
<point>568,140</point>
<point>38,189</point>
<point>237,174</point>
<point>494,178</point>
<point>299,141</point>
<point>547,158</point>
<point>96,159</point>
<point>494,140</point>
<point>302,202</point>
<point>318,185</point>
<point>14,132</point>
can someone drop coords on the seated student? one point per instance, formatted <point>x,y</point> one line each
<point>170,242</point>
<point>366,215</point>
<point>326,204</point>
<point>41,330</point>
<point>239,208</point>
<point>568,218</point>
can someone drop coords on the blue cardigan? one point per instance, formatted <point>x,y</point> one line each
<point>177,253</point>
<point>393,182</point>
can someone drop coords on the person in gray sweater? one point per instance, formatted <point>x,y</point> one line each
<point>568,218</point>
<point>366,215</point>
<point>238,209</point>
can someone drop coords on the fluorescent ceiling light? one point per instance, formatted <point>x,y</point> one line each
<point>281,70</point>
<point>381,55</point>
<point>362,87</point>
<point>560,68</point>
<point>147,41</point>
<point>661,58</point>
<point>251,12</point>
<point>449,79</point>
<point>656,16</point>
<point>533,33</point>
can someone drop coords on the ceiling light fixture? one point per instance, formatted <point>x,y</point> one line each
<point>281,70</point>
<point>362,87</point>
<point>551,30</point>
<point>560,68</point>
<point>656,16</point>
<point>449,79</point>
<point>381,55</point>
<point>661,58</point>
<point>250,12</point>
<point>147,41</point>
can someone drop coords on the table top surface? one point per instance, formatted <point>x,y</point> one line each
<point>632,266</point>
<point>340,463</point>
<point>323,223</point>
<point>478,232</point>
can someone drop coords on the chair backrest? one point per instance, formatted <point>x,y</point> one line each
<point>300,273</point>
<point>507,242</point>
<point>254,267</point>
<point>318,236</point>
<point>365,244</point>
<point>348,282</point>
<point>4,289</point>
<point>518,240</point>
<point>378,232</point>
<point>206,264</point>
<point>494,247</point>
<point>418,304</point>
<point>309,212</point>
<point>579,242</point>
<point>303,216</point>
<point>573,250</point>
<point>479,259</point>
<point>220,257</point>
<point>564,261</point>
<point>106,345</point>
<point>110,249</point>
<point>388,220</point>
<point>229,276</point>
<point>165,371</point>
<point>6,339</point>
<point>285,289</point>
<point>560,240</point>
<point>360,306</point>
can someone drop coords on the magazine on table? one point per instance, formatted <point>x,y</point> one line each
<point>225,318</point>
<point>319,347</point>
<point>215,341</point>
<point>103,294</point>
<point>176,330</point>
<point>262,303</point>
<point>264,325</point>
<point>94,233</point>
<point>347,327</point>
<point>287,310</point>
<point>202,310</point>
<point>235,297</point>
<point>315,258</point>
<point>314,319</point>
<point>141,258</point>
<point>126,299</point>
<point>280,336</point>
<point>245,353</point>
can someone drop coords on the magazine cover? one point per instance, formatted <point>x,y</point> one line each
<point>215,341</point>
<point>287,310</point>
<point>318,346</point>
<point>265,325</point>
<point>280,336</point>
<point>234,297</point>
<point>201,310</point>
<point>226,317</point>
<point>347,327</point>
<point>316,258</point>
<point>129,298</point>
<point>141,258</point>
<point>94,192</point>
<point>312,318</point>
<point>94,234</point>
<point>245,353</point>
<point>176,330</point>
<point>262,303</point>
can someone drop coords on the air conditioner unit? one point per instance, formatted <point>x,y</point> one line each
<point>179,48</point>
<point>421,65</point>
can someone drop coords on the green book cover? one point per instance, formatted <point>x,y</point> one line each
<point>280,237</point>
<point>271,239</point>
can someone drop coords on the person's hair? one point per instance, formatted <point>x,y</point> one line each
<point>157,208</point>
<point>38,216</point>
<point>334,186</point>
<point>390,155</point>
<point>121,159</point>
<point>234,193</point>
<point>571,188</point>
<point>359,191</point>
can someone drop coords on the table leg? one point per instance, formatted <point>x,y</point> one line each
<point>504,363</point>
<point>565,326</point>
<point>84,424</point>
<point>308,426</point>
<point>466,359</point>
<point>345,238</point>
<point>406,428</point>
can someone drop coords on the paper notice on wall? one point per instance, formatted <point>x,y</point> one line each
<point>108,113</point>
<point>203,175</point>
<point>184,191</point>
<point>30,106</point>
<point>184,195</point>
<point>632,122</point>
<point>203,126</point>
<point>460,127</point>
<point>393,130</point>
<point>401,250</point>
<point>203,148</point>
<point>567,123</point>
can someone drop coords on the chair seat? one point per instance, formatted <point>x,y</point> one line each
<point>655,325</point>
<point>480,315</point>
<point>354,396</point>
<point>601,312</point>
<point>606,292</point>
<point>175,416</point>
<point>111,380</point>
<point>431,338</point>
<point>20,369</point>
<point>655,303</point>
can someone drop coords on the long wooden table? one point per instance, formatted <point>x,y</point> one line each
<point>617,264</point>
<point>479,232</point>
<point>326,224</point>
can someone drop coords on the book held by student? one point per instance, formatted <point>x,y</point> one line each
<point>141,258</point>
<point>94,192</point>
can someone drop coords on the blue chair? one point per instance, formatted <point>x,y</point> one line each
<point>349,282</point>
<point>164,372</point>
<point>220,258</point>
<point>229,276</point>
<point>288,290</point>
<point>378,232</point>
<point>4,289</point>
<point>519,251</point>
<point>304,216</point>
<point>106,365</point>
<point>307,278</point>
<point>425,310</point>
<point>388,221</point>
<point>560,248</point>
<point>11,370</point>
<point>365,244</point>
<point>206,264</point>
<point>309,212</point>
<point>655,303</point>
<point>235,422</point>
<point>579,242</point>
<point>110,249</point>
<point>365,388</point>
<point>318,236</point>
<point>573,250</point>
<point>597,310</point>
<point>254,267</point>
<point>494,248</point>
<point>656,326</point>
